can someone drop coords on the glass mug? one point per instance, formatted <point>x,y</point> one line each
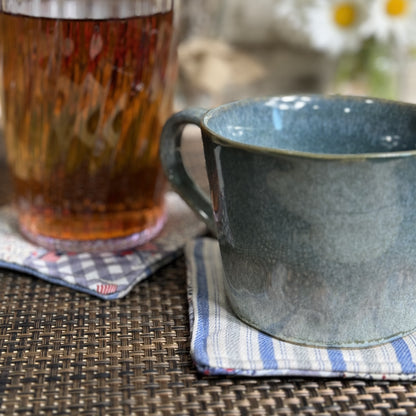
<point>86,88</point>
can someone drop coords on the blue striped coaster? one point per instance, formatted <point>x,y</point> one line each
<point>221,344</point>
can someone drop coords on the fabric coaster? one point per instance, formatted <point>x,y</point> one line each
<point>106,275</point>
<point>222,344</point>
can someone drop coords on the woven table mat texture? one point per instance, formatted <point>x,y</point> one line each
<point>67,353</point>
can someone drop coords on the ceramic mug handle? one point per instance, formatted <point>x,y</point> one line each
<point>172,162</point>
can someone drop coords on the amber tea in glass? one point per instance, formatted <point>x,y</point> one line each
<point>87,86</point>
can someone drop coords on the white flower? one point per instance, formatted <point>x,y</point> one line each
<point>392,20</point>
<point>334,25</point>
<point>331,26</point>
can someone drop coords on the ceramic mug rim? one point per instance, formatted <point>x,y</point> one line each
<point>225,141</point>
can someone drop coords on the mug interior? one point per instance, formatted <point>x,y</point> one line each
<point>317,124</point>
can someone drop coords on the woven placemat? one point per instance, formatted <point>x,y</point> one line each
<point>67,353</point>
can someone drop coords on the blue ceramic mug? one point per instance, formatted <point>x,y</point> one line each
<point>313,200</point>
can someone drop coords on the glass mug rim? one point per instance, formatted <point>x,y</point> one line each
<point>85,9</point>
<point>222,139</point>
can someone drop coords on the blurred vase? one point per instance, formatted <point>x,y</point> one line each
<point>376,70</point>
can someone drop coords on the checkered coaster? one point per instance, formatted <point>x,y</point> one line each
<point>222,344</point>
<point>106,275</point>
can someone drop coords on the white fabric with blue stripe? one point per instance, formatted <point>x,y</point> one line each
<point>222,344</point>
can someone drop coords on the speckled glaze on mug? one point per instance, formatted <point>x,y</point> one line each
<point>314,206</point>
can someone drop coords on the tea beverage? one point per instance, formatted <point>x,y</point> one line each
<point>87,86</point>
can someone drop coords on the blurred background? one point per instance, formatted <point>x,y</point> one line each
<point>238,48</point>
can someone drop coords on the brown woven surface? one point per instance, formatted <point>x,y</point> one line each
<point>67,353</point>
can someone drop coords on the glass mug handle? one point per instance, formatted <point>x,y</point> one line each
<point>172,162</point>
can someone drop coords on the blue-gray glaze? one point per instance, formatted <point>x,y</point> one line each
<point>315,207</point>
<point>315,125</point>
